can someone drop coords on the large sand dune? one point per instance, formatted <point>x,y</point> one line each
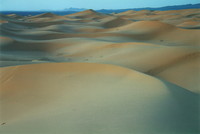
<point>135,72</point>
<point>87,98</point>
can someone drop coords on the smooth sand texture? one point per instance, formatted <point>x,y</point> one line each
<point>87,98</point>
<point>135,72</point>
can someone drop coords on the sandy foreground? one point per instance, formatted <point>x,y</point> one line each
<point>135,72</point>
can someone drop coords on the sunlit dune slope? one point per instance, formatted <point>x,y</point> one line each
<point>44,15</point>
<point>87,98</point>
<point>87,14</point>
<point>135,72</point>
<point>152,47</point>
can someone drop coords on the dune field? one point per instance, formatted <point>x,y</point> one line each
<point>135,72</point>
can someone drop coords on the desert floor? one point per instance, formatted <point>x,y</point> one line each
<point>135,72</point>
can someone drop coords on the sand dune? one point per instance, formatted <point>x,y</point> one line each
<point>158,36</point>
<point>77,96</point>
<point>174,17</point>
<point>87,14</point>
<point>15,16</point>
<point>159,32</point>
<point>190,25</point>
<point>148,26</point>
<point>5,41</point>
<point>115,22</point>
<point>88,72</point>
<point>44,15</point>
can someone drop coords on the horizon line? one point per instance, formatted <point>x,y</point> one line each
<point>40,10</point>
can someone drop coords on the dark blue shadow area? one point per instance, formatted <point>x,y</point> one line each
<point>183,109</point>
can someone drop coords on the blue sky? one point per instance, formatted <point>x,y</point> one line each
<point>90,4</point>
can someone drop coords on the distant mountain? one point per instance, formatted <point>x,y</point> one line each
<point>175,7</point>
<point>107,11</point>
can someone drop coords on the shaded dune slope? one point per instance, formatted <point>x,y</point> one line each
<point>135,72</point>
<point>152,47</point>
<point>77,96</point>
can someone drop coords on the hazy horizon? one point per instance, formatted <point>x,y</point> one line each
<point>32,5</point>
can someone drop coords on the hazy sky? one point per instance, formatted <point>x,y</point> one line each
<point>90,4</point>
